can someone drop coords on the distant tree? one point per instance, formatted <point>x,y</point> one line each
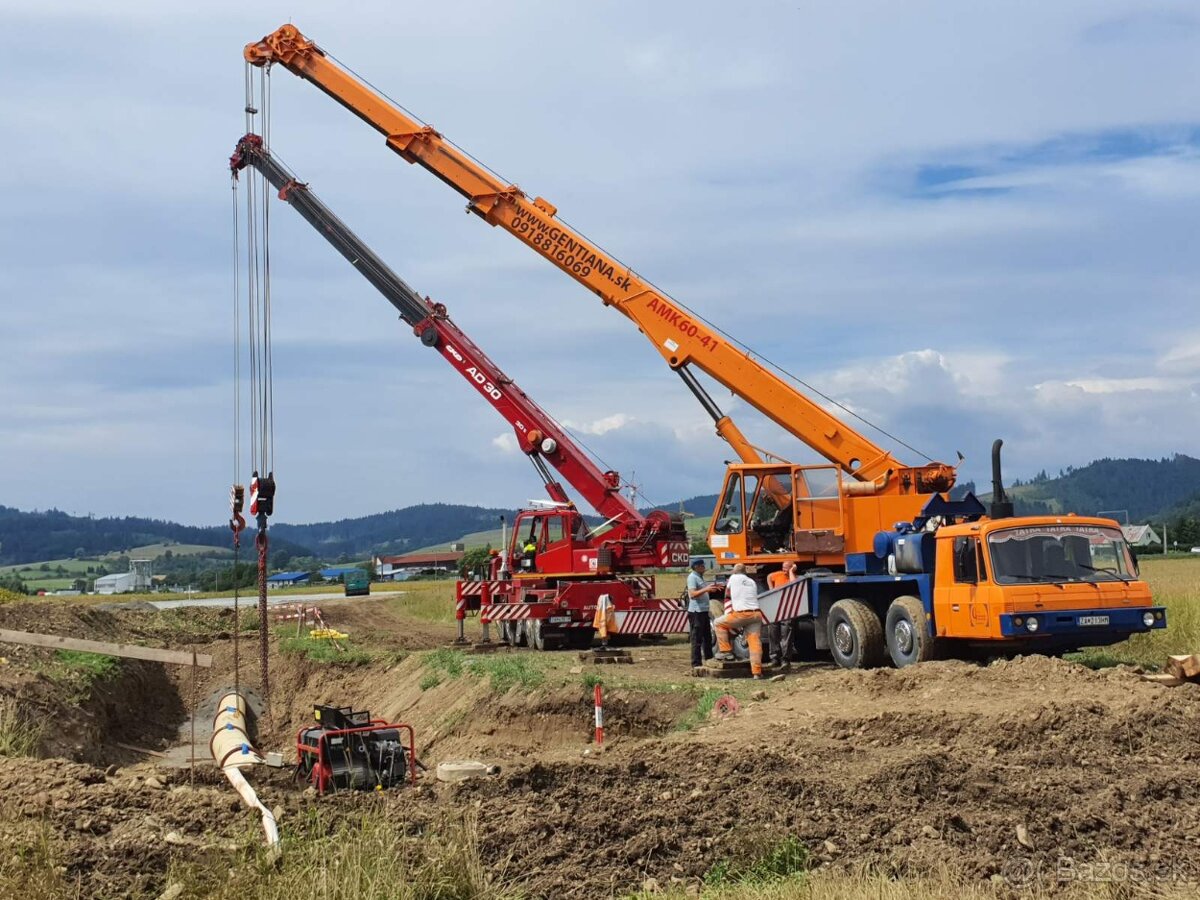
<point>700,547</point>
<point>475,562</point>
<point>369,568</point>
<point>168,555</point>
<point>13,583</point>
<point>44,567</point>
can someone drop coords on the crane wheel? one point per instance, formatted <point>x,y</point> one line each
<point>534,634</point>
<point>907,630</point>
<point>855,635</point>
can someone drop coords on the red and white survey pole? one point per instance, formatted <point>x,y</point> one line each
<point>599,717</point>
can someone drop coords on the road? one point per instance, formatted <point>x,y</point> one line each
<point>250,600</point>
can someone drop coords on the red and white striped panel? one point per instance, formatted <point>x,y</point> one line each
<point>652,621</point>
<point>475,588</point>
<point>641,584</point>
<point>786,602</point>
<point>509,612</point>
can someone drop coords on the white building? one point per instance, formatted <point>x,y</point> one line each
<point>116,584</point>
<point>1141,535</point>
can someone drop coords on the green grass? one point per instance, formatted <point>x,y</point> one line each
<point>369,855</point>
<point>430,680</point>
<point>786,861</point>
<point>591,679</point>
<point>77,672</point>
<point>503,671</point>
<point>1175,584</point>
<point>322,650</point>
<point>18,735</point>
<point>701,712</point>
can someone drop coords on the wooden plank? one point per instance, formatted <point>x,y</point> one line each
<point>129,651</point>
<point>1164,679</point>
<point>145,750</point>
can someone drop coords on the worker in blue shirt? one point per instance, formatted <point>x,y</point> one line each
<point>698,591</point>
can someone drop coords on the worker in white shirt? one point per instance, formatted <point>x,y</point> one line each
<point>745,617</point>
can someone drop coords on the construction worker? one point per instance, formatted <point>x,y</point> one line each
<point>699,623</point>
<point>529,553</point>
<point>779,634</point>
<point>745,617</point>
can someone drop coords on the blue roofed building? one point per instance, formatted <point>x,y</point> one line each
<point>287,579</point>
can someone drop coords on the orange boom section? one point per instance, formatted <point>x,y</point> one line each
<point>680,338</point>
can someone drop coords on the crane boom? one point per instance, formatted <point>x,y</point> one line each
<point>537,432</point>
<point>680,337</point>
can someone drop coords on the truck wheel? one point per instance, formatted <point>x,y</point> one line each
<point>907,630</point>
<point>737,641</point>
<point>855,635</point>
<point>534,635</point>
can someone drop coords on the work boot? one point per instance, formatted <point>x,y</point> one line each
<point>758,677</point>
<point>725,657</point>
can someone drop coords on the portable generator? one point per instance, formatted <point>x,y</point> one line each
<point>348,750</point>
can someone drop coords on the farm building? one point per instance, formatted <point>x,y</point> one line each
<point>116,584</point>
<point>388,568</point>
<point>1141,535</point>
<point>287,579</point>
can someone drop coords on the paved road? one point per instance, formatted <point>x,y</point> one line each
<point>251,599</point>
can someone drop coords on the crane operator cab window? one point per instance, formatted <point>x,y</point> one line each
<point>772,520</point>
<point>729,517</point>
<point>554,532</point>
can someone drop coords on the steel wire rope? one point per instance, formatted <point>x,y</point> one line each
<point>237,425</point>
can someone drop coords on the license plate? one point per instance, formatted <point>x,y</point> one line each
<point>1093,620</point>
<point>558,620</point>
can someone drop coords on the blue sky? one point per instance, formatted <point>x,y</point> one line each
<point>962,220</point>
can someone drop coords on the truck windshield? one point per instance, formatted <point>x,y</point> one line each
<point>1050,553</point>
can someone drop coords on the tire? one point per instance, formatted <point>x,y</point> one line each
<point>737,641</point>
<point>535,635</point>
<point>855,635</point>
<point>907,631</point>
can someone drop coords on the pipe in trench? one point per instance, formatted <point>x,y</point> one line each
<point>231,748</point>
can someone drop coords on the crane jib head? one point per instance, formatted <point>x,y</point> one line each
<point>282,45</point>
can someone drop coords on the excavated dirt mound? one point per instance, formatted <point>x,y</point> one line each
<point>1019,769</point>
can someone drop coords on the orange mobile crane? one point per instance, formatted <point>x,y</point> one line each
<point>546,596</point>
<point>894,565</point>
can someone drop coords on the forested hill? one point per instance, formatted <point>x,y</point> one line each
<point>395,531</point>
<point>38,536</point>
<point>1146,488</point>
<point>1149,489</point>
<point>51,534</point>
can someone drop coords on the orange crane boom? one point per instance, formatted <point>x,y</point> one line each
<point>679,336</point>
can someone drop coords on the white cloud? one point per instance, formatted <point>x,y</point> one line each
<point>506,442</point>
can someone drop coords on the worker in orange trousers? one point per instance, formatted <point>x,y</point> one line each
<point>745,617</point>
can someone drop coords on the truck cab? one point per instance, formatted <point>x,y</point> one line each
<point>1051,582</point>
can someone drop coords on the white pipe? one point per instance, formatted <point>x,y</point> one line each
<point>232,750</point>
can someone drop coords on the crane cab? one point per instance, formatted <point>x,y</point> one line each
<point>552,542</point>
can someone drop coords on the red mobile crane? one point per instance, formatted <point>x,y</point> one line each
<point>897,568</point>
<point>553,591</point>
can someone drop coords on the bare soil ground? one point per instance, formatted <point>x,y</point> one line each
<point>1023,769</point>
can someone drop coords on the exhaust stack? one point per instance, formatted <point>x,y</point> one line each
<point>1002,507</point>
